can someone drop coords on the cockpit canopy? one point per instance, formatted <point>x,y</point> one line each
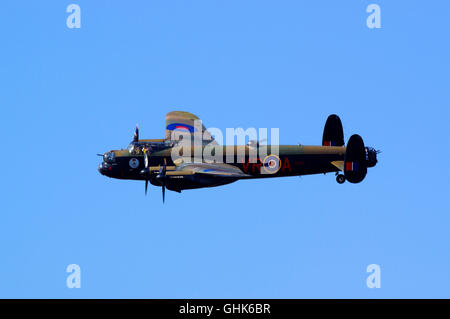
<point>109,157</point>
<point>138,147</point>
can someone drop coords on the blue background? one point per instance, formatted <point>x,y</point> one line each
<point>68,94</point>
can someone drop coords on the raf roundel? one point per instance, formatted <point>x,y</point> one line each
<point>134,163</point>
<point>271,164</point>
<point>181,127</point>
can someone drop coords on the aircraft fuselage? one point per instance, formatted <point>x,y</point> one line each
<point>294,160</point>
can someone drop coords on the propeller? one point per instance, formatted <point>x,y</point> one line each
<point>161,177</point>
<point>136,134</point>
<point>145,170</point>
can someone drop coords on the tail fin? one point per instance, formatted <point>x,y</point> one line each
<point>355,168</point>
<point>333,134</point>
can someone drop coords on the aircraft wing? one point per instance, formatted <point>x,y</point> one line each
<point>213,169</point>
<point>188,123</point>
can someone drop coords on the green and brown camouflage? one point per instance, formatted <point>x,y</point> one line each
<point>166,163</point>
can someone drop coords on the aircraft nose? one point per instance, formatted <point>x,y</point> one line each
<point>100,169</point>
<point>104,168</point>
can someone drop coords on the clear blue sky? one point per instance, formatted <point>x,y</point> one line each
<point>68,94</point>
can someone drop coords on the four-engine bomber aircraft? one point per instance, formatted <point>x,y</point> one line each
<point>150,160</point>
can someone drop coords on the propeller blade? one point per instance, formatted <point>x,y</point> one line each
<point>161,178</point>
<point>146,158</point>
<point>146,186</point>
<point>163,173</point>
<point>136,134</point>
